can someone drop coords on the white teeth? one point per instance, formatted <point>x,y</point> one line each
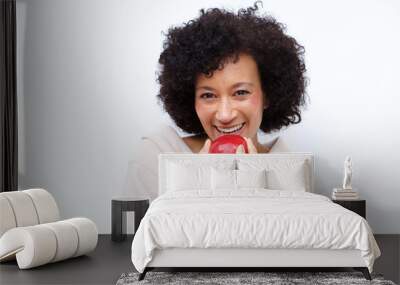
<point>230,130</point>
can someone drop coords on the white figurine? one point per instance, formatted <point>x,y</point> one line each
<point>347,173</point>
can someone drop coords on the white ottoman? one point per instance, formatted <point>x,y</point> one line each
<point>31,232</point>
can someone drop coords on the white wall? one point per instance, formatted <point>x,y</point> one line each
<point>86,87</point>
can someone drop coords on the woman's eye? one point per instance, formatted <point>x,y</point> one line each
<point>207,95</point>
<point>242,92</point>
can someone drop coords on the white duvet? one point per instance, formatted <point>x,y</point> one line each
<point>252,218</point>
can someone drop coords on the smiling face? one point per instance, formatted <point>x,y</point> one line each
<point>231,101</point>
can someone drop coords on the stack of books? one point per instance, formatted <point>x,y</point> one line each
<point>344,194</point>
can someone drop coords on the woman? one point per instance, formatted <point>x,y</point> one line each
<point>223,73</point>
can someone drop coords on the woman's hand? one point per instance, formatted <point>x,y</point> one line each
<point>206,147</point>
<point>250,146</point>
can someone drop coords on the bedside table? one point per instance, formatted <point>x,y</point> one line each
<point>357,206</point>
<point>119,207</point>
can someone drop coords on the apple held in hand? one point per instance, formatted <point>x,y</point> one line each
<point>228,144</point>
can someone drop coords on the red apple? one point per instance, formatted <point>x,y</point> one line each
<point>228,144</point>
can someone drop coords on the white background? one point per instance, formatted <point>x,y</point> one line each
<point>87,92</point>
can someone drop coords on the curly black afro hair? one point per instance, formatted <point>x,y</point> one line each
<point>204,45</point>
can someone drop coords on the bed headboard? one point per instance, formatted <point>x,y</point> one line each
<point>235,160</point>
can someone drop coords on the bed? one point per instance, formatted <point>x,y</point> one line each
<point>247,211</point>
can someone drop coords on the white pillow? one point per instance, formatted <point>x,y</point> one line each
<point>226,179</point>
<point>282,174</point>
<point>223,179</point>
<point>293,178</point>
<point>187,177</point>
<point>192,173</point>
<point>251,178</point>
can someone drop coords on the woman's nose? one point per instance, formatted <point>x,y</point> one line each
<point>225,111</point>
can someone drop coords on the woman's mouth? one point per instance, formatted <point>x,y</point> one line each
<point>230,130</point>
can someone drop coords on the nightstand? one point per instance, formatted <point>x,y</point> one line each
<point>357,206</point>
<point>119,207</point>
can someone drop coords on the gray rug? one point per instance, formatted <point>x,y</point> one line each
<point>269,278</point>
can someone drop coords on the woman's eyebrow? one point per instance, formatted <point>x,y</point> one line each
<point>238,84</point>
<point>206,88</point>
<point>242,83</point>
